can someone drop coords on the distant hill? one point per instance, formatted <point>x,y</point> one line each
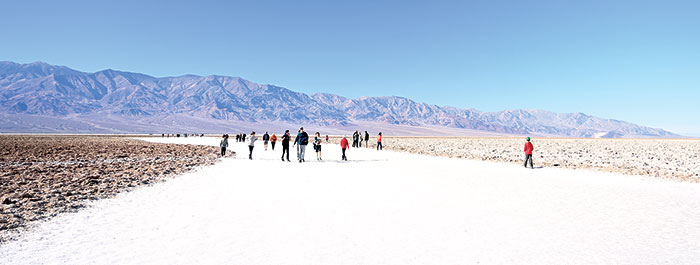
<point>40,97</point>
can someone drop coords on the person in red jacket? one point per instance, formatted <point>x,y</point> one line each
<point>344,145</point>
<point>273,140</point>
<point>528,153</point>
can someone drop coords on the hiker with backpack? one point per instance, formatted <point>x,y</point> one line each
<point>301,141</point>
<point>266,138</point>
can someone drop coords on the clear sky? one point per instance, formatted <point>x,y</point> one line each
<point>637,61</point>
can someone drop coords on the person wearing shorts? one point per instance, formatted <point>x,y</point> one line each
<point>317,146</point>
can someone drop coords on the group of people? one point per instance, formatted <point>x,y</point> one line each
<point>357,139</point>
<point>302,140</point>
<point>184,135</point>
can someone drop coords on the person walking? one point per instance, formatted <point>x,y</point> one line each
<point>253,138</point>
<point>302,141</point>
<point>366,139</point>
<point>327,138</point>
<point>317,145</point>
<point>379,141</point>
<point>344,146</point>
<point>266,138</point>
<point>528,153</point>
<point>243,138</point>
<point>273,140</point>
<point>223,144</point>
<point>285,145</point>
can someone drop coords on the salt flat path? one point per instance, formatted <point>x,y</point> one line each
<point>379,208</point>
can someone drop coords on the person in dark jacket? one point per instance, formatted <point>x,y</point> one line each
<point>285,145</point>
<point>266,138</point>
<point>302,140</point>
<point>355,136</point>
<point>528,153</point>
<point>366,139</point>
<point>224,144</point>
<point>243,139</point>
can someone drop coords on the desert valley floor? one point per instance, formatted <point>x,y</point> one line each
<point>381,207</point>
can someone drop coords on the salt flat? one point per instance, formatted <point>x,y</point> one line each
<point>378,208</point>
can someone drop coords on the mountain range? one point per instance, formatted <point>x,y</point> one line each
<point>43,98</point>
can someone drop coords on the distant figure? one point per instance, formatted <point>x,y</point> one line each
<point>224,144</point>
<point>266,138</point>
<point>253,138</point>
<point>243,138</point>
<point>379,141</point>
<point>366,139</point>
<point>359,139</point>
<point>355,136</point>
<point>162,135</point>
<point>327,139</point>
<point>317,145</point>
<point>273,140</point>
<point>528,153</point>
<point>344,146</point>
<point>301,141</point>
<point>285,145</point>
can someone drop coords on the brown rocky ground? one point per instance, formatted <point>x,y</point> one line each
<point>676,159</point>
<point>43,176</point>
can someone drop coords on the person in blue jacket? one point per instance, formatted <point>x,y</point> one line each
<point>302,140</point>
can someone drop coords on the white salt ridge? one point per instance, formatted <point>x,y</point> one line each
<point>379,208</point>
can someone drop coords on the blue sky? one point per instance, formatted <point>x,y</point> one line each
<point>637,61</point>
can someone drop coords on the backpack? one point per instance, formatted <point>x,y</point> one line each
<point>304,139</point>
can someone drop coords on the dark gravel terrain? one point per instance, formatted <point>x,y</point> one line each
<point>42,176</point>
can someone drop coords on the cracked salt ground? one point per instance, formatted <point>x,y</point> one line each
<point>390,208</point>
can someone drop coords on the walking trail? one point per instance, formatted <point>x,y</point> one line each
<point>378,208</point>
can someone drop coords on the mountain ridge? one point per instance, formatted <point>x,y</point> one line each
<point>42,89</point>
